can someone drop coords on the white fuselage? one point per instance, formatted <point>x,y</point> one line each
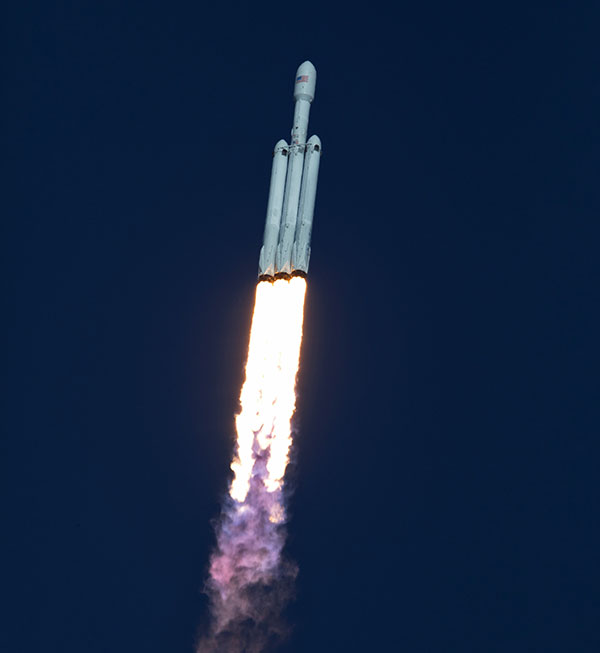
<point>286,242</point>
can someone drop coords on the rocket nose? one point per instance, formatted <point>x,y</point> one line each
<point>306,80</point>
<point>281,146</point>
<point>306,68</point>
<point>314,143</point>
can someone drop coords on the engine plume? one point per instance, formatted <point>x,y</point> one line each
<point>249,580</point>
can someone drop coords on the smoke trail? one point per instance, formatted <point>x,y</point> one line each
<point>249,580</point>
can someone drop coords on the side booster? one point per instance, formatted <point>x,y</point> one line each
<point>286,242</point>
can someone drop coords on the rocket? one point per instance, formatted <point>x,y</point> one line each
<point>286,242</point>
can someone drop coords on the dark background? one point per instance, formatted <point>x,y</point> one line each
<point>446,468</point>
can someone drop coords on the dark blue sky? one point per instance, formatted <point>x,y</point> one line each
<point>447,463</point>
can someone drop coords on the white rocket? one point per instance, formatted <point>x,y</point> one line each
<point>286,243</point>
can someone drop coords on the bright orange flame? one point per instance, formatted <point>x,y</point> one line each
<point>268,396</point>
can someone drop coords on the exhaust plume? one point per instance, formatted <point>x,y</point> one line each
<point>250,581</point>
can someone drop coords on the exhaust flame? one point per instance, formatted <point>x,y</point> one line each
<point>249,581</point>
<point>268,398</point>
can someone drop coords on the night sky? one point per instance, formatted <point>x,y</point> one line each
<point>446,466</point>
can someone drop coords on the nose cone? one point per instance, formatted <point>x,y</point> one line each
<point>306,68</point>
<point>281,147</point>
<point>314,143</point>
<point>306,80</point>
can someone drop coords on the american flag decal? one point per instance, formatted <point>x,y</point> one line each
<point>301,78</point>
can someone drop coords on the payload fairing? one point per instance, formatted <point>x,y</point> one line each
<point>286,241</point>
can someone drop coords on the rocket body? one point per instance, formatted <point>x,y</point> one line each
<point>274,208</point>
<point>292,192</point>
